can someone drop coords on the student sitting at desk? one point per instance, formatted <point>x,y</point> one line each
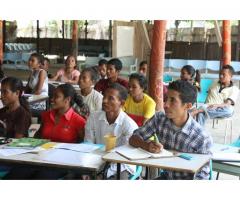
<point>112,120</point>
<point>90,96</point>
<point>69,74</point>
<point>15,115</point>
<point>37,82</point>
<point>176,129</point>
<point>62,123</point>
<point>139,106</point>
<point>114,67</point>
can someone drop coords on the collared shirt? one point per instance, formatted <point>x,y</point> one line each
<point>66,130</point>
<point>93,100</point>
<point>191,138</point>
<point>97,127</point>
<point>141,110</point>
<point>103,84</point>
<point>217,94</point>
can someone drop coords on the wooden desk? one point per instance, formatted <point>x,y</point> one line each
<point>89,163</point>
<point>37,98</point>
<point>57,83</point>
<point>172,163</point>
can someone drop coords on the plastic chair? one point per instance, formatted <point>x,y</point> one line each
<point>167,78</point>
<point>213,65</point>
<point>205,85</point>
<point>137,173</point>
<point>229,121</point>
<point>197,64</point>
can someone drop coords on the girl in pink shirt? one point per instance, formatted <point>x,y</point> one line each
<point>69,74</point>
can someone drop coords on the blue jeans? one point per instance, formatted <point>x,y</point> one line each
<point>213,113</point>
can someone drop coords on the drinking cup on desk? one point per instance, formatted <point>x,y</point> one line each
<point>110,142</point>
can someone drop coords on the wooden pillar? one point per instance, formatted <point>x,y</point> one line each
<point>63,36</point>
<point>110,39</point>
<point>75,38</point>
<point>157,63</point>
<point>226,47</point>
<point>38,36</point>
<point>1,42</point>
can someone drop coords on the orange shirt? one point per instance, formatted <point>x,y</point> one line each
<point>67,129</point>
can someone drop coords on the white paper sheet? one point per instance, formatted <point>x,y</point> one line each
<point>138,153</point>
<point>86,148</point>
<point>12,151</point>
<point>70,157</point>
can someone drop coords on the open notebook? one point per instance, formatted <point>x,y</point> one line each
<point>132,153</point>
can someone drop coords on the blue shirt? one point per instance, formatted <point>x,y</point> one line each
<point>191,138</point>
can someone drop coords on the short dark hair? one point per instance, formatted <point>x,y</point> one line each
<point>116,62</point>
<point>102,62</point>
<point>38,56</point>
<point>188,92</point>
<point>229,67</point>
<point>144,62</point>
<point>45,58</point>
<point>190,70</point>
<point>123,93</point>
<point>14,85</point>
<point>92,72</point>
<point>68,57</point>
<point>69,91</point>
<point>140,78</point>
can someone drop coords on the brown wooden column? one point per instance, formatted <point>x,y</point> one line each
<point>75,38</point>
<point>1,42</point>
<point>157,63</point>
<point>226,47</point>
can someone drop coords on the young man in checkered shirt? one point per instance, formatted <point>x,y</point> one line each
<point>176,130</point>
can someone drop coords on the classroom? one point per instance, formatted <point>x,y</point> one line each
<point>119,100</point>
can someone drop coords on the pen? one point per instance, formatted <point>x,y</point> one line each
<point>156,138</point>
<point>224,148</point>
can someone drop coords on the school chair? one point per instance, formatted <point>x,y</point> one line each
<point>228,123</point>
<point>167,78</point>
<point>205,85</point>
<point>137,174</point>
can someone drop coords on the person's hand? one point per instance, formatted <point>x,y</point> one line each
<point>154,147</point>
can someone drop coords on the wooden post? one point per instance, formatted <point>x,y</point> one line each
<point>63,36</point>
<point>226,33</point>
<point>1,42</point>
<point>238,42</point>
<point>38,36</point>
<point>75,38</point>
<point>157,63</point>
<point>110,39</point>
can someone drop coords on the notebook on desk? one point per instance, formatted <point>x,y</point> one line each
<point>132,153</point>
<point>26,143</point>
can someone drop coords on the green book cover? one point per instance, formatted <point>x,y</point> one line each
<point>27,142</point>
